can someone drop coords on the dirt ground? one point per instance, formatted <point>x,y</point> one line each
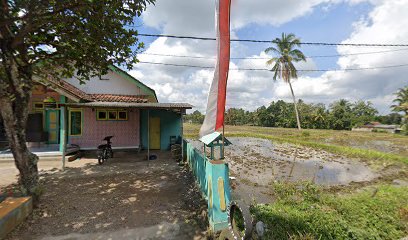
<point>126,198</point>
<point>9,172</point>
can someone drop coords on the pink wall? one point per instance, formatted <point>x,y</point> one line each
<point>126,133</point>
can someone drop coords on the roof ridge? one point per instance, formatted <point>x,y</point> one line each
<point>100,97</point>
<point>60,83</point>
<point>117,98</point>
<point>113,94</point>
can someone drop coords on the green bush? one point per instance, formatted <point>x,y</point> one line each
<point>405,129</point>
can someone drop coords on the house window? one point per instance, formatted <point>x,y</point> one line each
<point>75,122</point>
<point>122,115</point>
<point>38,106</point>
<point>118,115</point>
<point>112,115</point>
<point>101,115</point>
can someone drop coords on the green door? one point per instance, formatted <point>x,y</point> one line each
<point>52,125</point>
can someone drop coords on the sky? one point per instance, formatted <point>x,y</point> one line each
<point>336,21</point>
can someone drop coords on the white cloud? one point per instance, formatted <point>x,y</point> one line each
<point>386,23</point>
<point>181,16</point>
<point>197,17</point>
<point>275,13</point>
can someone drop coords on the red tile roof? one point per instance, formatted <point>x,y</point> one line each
<point>118,98</point>
<point>69,88</point>
<point>148,105</point>
<point>61,84</point>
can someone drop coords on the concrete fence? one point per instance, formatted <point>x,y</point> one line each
<point>212,178</point>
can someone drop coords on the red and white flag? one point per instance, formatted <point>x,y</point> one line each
<point>214,117</point>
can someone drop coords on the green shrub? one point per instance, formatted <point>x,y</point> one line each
<point>405,129</point>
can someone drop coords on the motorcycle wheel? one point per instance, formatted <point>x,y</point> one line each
<point>239,211</point>
<point>100,160</point>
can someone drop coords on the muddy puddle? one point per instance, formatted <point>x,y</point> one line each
<point>256,163</point>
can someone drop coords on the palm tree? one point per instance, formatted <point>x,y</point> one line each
<point>401,101</point>
<point>283,63</point>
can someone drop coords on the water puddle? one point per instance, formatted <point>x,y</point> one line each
<point>258,162</point>
<point>264,161</point>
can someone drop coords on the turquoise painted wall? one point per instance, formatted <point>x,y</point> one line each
<point>198,166</point>
<point>205,172</point>
<point>170,125</point>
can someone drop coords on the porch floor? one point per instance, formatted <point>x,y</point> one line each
<point>41,151</point>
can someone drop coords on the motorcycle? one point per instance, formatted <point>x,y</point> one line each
<point>105,150</point>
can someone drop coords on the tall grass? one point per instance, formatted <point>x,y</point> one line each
<point>302,211</point>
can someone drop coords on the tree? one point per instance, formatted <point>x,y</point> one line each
<point>401,101</point>
<point>340,115</point>
<point>363,112</point>
<point>261,116</point>
<point>319,116</point>
<point>48,39</point>
<point>283,114</point>
<point>402,106</point>
<point>283,67</point>
<point>195,117</point>
<point>392,118</point>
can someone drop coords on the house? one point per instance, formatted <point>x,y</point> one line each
<point>114,104</point>
<point>377,127</point>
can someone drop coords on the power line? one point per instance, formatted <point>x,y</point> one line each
<point>180,56</point>
<point>265,69</point>
<point>269,41</point>
<point>176,65</point>
<point>265,58</point>
<point>358,53</point>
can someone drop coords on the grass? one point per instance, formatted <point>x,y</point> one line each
<point>351,144</point>
<point>303,211</point>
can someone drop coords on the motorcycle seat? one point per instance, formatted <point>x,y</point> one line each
<point>102,146</point>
